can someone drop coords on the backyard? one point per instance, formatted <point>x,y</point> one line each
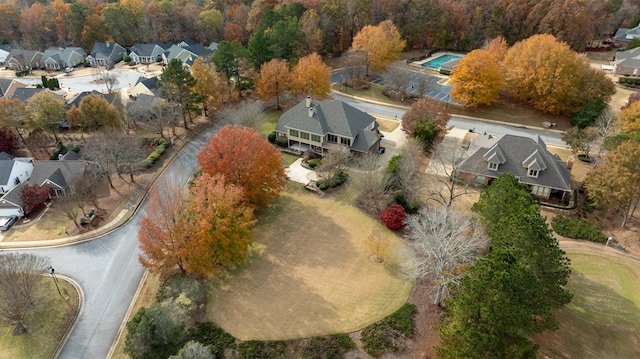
<point>310,274</point>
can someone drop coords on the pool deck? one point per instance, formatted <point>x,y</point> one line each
<point>433,56</point>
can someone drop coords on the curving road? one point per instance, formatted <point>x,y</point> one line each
<point>108,270</point>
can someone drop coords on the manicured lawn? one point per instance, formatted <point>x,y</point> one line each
<point>603,319</point>
<point>268,123</point>
<point>310,274</point>
<point>387,125</point>
<point>48,325</point>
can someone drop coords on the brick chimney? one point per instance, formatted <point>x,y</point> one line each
<point>308,102</point>
<point>570,162</point>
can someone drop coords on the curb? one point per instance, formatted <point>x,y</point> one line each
<point>75,319</point>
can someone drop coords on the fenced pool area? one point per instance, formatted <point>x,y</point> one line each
<point>437,62</point>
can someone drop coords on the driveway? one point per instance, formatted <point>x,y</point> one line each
<point>77,83</point>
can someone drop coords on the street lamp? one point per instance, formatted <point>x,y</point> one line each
<point>55,280</point>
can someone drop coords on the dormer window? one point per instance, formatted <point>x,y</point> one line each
<point>493,166</point>
<point>533,173</point>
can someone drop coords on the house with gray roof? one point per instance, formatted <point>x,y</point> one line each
<point>56,58</point>
<point>22,60</point>
<point>185,53</point>
<point>59,176</point>
<point>5,49</point>
<point>627,62</point>
<point>25,93</point>
<point>106,54</point>
<point>146,53</point>
<point>526,158</point>
<point>9,86</point>
<point>328,125</point>
<point>624,36</point>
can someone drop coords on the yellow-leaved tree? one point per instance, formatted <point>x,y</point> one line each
<point>274,80</point>
<point>476,80</point>
<point>551,77</point>
<point>382,44</point>
<point>311,76</point>
<point>629,118</point>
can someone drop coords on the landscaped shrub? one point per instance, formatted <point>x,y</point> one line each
<point>335,181</point>
<point>394,216</point>
<point>61,149</point>
<point>282,141</point>
<point>155,155</point>
<point>262,350</point>
<point>271,137</point>
<point>330,347</point>
<point>314,163</point>
<point>577,229</point>
<point>213,336</point>
<point>153,334</point>
<point>426,131</point>
<point>388,334</point>
<point>411,207</point>
<point>588,113</point>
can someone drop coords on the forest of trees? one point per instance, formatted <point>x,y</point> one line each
<point>323,26</point>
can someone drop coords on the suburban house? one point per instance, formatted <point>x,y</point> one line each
<point>21,60</point>
<point>58,175</point>
<point>185,52</point>
<point>75,101</point>
<point>5,49</point>
<point>327,125</point>
<point>146,53</point>
<point>627,62</point>
<point>25,93</point>
<point>56,58</point>
<point>624,35</point>
<point>9,86</point>
<point>13,171</point>
<point>526,158</point>
<point>147,86</point>
<point>106,54</point>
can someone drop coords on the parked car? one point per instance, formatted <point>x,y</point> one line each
<point>7,222</point>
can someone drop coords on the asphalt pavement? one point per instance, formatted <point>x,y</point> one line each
<point>108,270</point>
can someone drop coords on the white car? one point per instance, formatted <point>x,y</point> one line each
<point>7,222</point>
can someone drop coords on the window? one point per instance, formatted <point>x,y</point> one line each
<point>315,138</point>
<point>345,141</point>
<point>293,133</point>
<point>533,173</point>
<point>540,191</point>
<point>493,166</point>
<point>304,135</point>
<point>332,138</point>
<point>480,179</point>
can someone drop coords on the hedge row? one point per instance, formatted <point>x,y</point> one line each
<point>335,181</point>
<point>162,145</point>
<point>577,229</point>
<point>385,335</point>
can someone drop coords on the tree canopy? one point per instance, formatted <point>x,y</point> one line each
<point>247,160</point>
<point>382,44</point>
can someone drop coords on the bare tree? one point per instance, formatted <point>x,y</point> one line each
<point>368,176</point>
<point>397,81</point>
<point>247,113</point>
<point>405,174</point>
<point>605,124</point>
<point>20,280</point>
<point>108,78</point>
<point>334,163</point>
<point>444,165</point>
<point>445,243</point>
<point>128,122</point>
<point>356,64</point>
<point>115,152</point>
<point>422,82</point>
<point>378,243</point>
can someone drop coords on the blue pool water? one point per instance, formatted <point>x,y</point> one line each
<point>435,63</point>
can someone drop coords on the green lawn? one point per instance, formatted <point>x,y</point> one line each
<point>268,123</point>
<point>603,319</point>
<point>310,274</point>
<point>48,325</point>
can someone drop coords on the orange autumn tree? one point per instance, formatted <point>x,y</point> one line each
<point>382,44</point>
<point>274,81</point>
<point>218,226</point>
<point>245,159</point>
<point>312,77</point>
<point>163,245</point>
<point>477,80</point>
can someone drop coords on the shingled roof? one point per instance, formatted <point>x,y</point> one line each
<point>519,155</point>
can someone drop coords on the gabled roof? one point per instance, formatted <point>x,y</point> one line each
<point>24,94</point>
<point>332,117</point>
<point>76,100</point>
<point>57,174</point>
<point>147,49</point>
<point>6,156</point>
<point>69,156</point>
<point>494,155</point>
<point>25,57</point>
<point>13,198</point>
<point>520,155</point>
<point>629,58</point>
<point>8,47</point>
<point>105,49</point>
<point>63,54</point>
<point>626,34</point>
<point>5,171</point>
<point>164,45</point>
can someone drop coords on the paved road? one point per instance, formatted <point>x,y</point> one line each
<point>108,270</point>
<point>549,137</point>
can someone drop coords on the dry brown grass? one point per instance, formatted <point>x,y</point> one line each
<point>310,274</point>
<point>387,125</point>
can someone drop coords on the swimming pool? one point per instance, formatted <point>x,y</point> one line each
<point>435,63</point>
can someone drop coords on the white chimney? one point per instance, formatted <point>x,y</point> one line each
<point>311,110</point>
<point>308,102</point>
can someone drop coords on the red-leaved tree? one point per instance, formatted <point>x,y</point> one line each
<point>394,216</point>
<point>7,141</point>
<point>33,196</point>
<point>247,160</point>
